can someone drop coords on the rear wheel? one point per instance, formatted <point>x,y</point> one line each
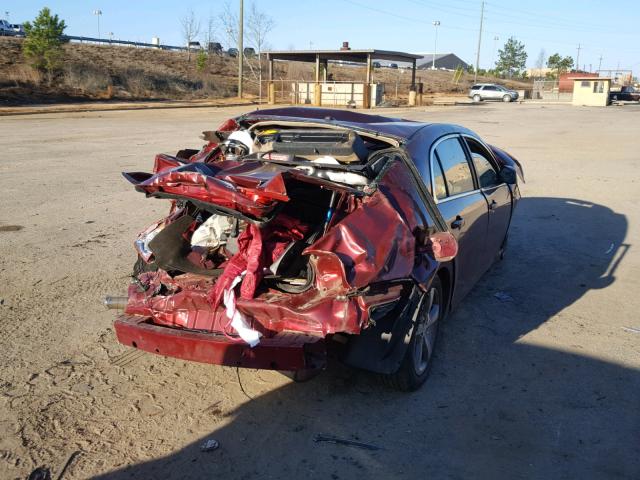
<point>506,98</point>
<point>416,364</point>
<point>477,98</point>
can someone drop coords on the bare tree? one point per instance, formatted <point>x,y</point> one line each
<point>209,35</point>
<point>542,56</point>
<point>190,30</point>
<point>229,21</point>
<point>259,24</point>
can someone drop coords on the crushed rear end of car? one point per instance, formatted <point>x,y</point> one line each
<point>284,238</point>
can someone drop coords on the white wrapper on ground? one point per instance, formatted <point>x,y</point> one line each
<point>238,320</point>
<point>212,232</point>
<point>244,137</point>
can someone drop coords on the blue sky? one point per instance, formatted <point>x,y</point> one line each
<point>610,30</point>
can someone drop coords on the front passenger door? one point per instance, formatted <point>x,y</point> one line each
<point>463,207</point>
<point>497,195</point>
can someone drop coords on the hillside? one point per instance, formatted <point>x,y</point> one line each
<point>103,72</point>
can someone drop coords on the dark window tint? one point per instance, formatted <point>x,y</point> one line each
<point>455,167</point>
<point>491,87</point>
<point>487,175</point>
<point>476,87</point>
<point>438,181</point>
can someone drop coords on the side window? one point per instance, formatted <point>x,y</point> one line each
<point>490,88</point>
<point>487,174</point>
<point>455,168</point>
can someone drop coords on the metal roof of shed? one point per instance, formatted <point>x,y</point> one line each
<point>346,55</point>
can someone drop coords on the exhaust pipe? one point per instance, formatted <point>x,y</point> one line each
<point>115,303</point>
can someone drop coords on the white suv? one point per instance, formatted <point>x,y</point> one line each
<point>491,91</point>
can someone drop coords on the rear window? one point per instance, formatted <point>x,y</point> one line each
<point>476,87</point>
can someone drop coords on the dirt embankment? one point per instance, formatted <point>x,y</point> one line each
<point>103,72</point>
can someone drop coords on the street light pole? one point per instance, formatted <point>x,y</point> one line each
<point>475,74</point>
<point>97,13</point>
<point>240,48</point>
<point>436,24</point>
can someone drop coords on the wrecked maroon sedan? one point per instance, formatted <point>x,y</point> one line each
<point>296,233</point>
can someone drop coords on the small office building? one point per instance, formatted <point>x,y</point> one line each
<point>591,91</point>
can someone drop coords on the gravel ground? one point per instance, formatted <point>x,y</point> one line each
<point>537,374</point>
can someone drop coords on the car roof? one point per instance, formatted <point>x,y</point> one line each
<point>397,127</point>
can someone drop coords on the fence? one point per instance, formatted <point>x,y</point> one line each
<point>105,41</point>
<point>339,93</point>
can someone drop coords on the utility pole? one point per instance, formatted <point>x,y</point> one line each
<point>240,48</point>
<point>495,49</point>
<point>435,45</point>
<point>578,57</point>
<point>600,63</point>
<point>475,74</point>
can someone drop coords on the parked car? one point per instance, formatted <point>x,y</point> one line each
<point>626,93</point>
<point>492,91</point>
<point>295,233</point>
<point>232,52</point>
<point>214,47</point>
<point>393,65</point>
<point>194,46</point>
<point>249,52</point>
<point>376,65</point>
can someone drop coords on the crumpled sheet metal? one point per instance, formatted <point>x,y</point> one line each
<point>347,258</point>
<point>251,188</point>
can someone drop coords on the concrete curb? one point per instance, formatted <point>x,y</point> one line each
<point>110,107</point>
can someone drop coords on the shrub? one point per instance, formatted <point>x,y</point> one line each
<point>201,61</point>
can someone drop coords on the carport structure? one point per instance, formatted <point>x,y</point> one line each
<point>321,58</point>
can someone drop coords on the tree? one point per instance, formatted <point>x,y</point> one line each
<point>209,34</point>
<point>229,21</point>
<point>512,58</point>
<point>259,25</point>
<point>190,30</point>
<point>43,42</point>
<point>559,64</point>
<point>201,61</point>
<point>540,63</point>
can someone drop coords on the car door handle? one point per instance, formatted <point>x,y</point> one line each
<point>458,222</point>
<point>493,205</point>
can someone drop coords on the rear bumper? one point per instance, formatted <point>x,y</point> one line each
<point>285,351</point>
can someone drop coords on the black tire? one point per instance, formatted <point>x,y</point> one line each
<point>477,98</point>
<point>506,98</point>
<point>417,361</point>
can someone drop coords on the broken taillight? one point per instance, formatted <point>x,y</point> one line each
<point>443,245</point>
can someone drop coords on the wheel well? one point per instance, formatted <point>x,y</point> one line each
<point>445,279</point>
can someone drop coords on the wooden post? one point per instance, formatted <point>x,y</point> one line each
<point>271,93</point>
<point>317,92</point>
<point>366,90</point>
<point>413,75</point>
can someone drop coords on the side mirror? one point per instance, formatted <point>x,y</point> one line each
<point>508,175</point>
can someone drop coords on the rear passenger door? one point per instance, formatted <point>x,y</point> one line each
<point>463,207</point>
<point>497,195</point>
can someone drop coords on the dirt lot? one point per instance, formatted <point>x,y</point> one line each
<point>541,380</point>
